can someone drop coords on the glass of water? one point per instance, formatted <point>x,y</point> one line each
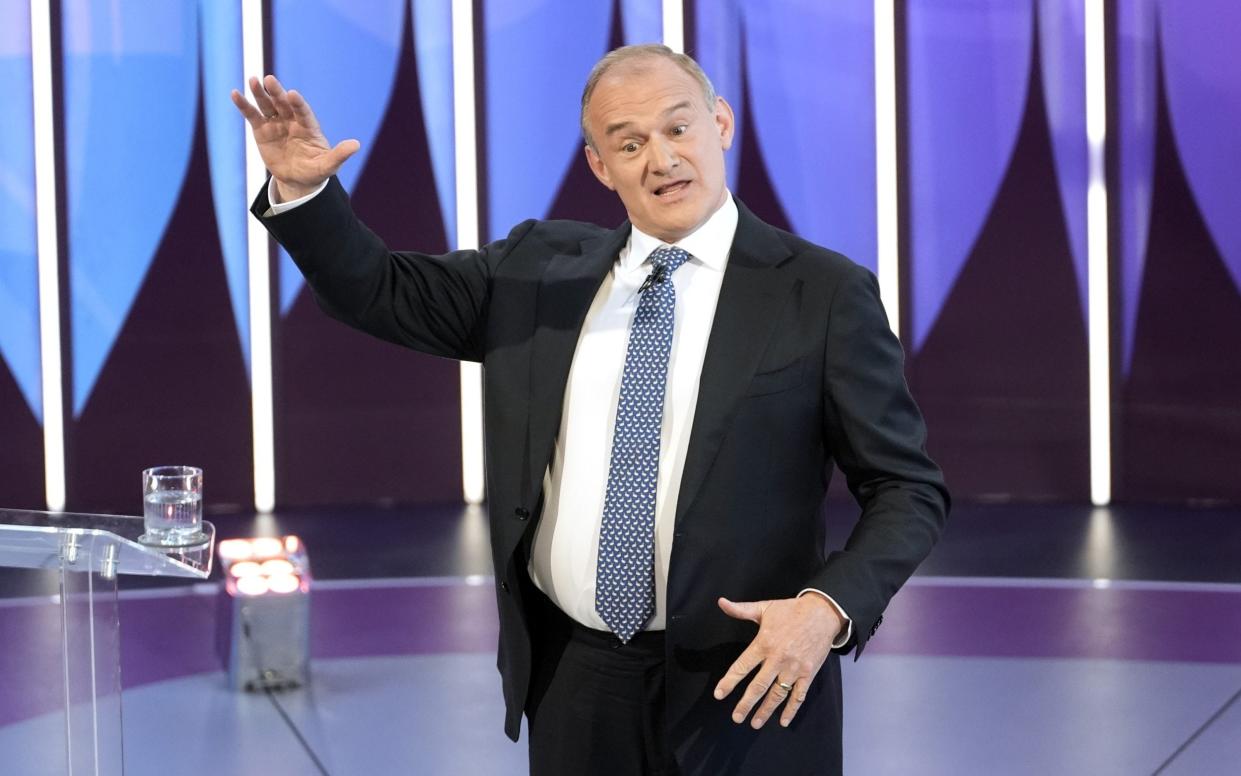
<point>172,506</point>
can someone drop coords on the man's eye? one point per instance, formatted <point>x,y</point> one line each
<point>680,129</point>
<point>629,148</point>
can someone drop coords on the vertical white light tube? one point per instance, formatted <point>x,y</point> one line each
<point>466,164</point>
<point>1097,259</point>
<point>674,25</point>
<point>48,253</point>
<point>887,242</point>
<point>473,481</point>
<point>257,247</point>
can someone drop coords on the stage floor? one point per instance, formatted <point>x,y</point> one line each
<point>1036,640</point>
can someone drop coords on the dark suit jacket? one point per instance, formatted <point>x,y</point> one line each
<point>801,370</point>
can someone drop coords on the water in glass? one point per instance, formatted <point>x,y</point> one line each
<point>175,516</point>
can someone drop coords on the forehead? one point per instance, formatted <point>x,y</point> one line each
<point>645,86</point>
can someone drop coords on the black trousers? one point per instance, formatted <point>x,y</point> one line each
<point>596,706</point>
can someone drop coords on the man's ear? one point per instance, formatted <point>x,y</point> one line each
<point>724,122</point>
<point>598,168</point>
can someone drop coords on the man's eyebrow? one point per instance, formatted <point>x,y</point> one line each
<point>679,106</point>
<point>618,126</point>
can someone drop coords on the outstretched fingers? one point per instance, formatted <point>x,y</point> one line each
<point>248,111</point>
<point>770,688</point>
<point>262,99</point>
<point>793,641</point>
<point>746,662</point>
<point>302,113</point>
<point>299,106</point>
<point>797,696</point>
<point>289,138</point>
<point>760,688</point>
<point>782,688</point>
<point>279,97</point>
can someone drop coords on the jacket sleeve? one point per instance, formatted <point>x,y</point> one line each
<point>877,436</point>
<point>436,304</point>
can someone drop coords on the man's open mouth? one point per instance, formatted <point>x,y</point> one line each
<point>670,188</point>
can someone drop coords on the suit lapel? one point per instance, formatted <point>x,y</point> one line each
<point>567,288</point>
<point>751,297</point>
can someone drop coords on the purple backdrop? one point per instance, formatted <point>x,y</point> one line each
<point>995,184</point>
<point>357,419</point>
<point>992,163</point>
<point>1179,173</point>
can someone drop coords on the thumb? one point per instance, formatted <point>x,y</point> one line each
<point>343,150</point>
<point>744,610</point>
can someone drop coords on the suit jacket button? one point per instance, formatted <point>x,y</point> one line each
<point>522,513</point>
<point>504,586</point>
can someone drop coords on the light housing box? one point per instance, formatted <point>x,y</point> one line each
<point>264,612</point>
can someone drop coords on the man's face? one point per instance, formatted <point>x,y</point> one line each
<point>660,146</point>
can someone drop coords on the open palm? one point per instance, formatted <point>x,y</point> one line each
<point>293,146</point>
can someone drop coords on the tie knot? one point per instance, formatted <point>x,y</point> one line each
<point>669,257</point>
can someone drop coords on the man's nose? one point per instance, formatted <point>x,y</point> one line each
<point>663,156</point>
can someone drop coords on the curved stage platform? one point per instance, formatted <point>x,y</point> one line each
<point>971,674</point>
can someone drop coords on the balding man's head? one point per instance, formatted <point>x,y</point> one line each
<point>654,139</point>
<point>636,58</point>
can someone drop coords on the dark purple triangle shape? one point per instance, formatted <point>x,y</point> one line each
<point>1003,374</point>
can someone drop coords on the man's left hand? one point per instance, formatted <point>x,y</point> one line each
<point>794,638</point>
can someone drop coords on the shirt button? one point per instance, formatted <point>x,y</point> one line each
<point>522,513</point>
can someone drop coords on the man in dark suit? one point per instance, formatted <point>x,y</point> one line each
<point>664,402</point>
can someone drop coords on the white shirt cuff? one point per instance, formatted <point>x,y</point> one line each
<point>281,207</point>
<point>846,632</point>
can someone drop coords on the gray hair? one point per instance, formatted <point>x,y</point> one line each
<point>633,53</point>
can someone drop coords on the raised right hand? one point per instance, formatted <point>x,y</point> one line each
<point>289,138</point>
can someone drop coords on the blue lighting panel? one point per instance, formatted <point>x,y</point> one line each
<point>226,150</point>
<point>801,76</point>
<point>350,87</point>
<point>19,282</point>
<point>818,143</point>
<point>969,78</point>
<point>433,52</point>
<point>1188,51</point>
<point>968,72</point>
<point>131,94</point>
<point>533,104</point>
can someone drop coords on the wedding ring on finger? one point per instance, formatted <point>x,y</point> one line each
<point>788,688</point>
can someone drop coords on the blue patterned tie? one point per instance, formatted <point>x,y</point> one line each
<point>625,575</point>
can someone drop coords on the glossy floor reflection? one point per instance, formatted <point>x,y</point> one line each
<point>1068,641</point>
<point>439,714</point>
<point>977,676</point>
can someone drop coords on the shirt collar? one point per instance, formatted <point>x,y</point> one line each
<point>709,244</point>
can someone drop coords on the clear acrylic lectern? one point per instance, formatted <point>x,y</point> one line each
<point>88,552</point>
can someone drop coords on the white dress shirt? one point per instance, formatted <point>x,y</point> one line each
<point>278,207</point>
<point>566,540</point>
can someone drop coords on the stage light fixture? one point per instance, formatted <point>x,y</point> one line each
<point>264,621</point>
